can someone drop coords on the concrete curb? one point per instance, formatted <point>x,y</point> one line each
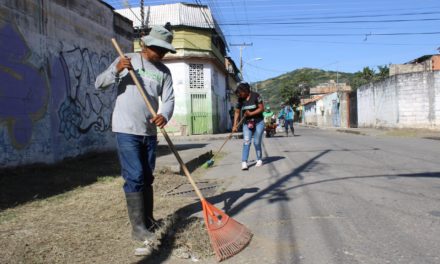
<point>351,132</point>
<point>415,133</point>
<point>202,137</point>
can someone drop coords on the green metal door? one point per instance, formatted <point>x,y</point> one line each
<point>199,114</point>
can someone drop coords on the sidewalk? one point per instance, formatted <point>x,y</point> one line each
<point>194,150</point>
<point>377,132</point>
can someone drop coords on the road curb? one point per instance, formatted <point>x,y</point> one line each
<point>192,162</point>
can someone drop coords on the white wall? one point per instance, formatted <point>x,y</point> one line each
<point>401,101</point>
<point>219,95</point>
<point>321,112</point>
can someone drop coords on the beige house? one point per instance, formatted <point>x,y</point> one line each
<point>201,78</point>
<point>427,63</point>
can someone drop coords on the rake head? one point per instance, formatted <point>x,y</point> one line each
<point>228,237</point>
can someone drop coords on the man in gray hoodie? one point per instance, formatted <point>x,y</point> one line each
<point>134,125</point>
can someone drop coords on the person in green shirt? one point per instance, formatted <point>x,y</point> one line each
<point>268,114</point>
<point>269,120</point>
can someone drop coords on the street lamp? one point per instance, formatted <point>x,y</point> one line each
<point>242,64</point>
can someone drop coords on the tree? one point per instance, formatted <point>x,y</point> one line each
<point>384,72</point>
<point>368,74</point>
<point>295,88</point>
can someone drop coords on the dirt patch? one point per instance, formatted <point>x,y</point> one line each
<point>406,132</point>
<point>89,224</point>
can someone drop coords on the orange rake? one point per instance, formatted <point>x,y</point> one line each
<point>227,236</point>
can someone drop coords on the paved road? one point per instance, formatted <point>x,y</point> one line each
<point>329,197</point>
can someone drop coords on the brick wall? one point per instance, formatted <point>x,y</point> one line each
<point>401,101</point>
<point>51,53</point>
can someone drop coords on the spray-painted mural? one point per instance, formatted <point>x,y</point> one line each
<point>23,88</point>
<point>84,108</point>
<point>49,108</point>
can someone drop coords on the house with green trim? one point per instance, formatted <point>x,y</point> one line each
<point>202,81</point>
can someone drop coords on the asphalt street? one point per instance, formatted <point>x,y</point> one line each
<point>329,197</point>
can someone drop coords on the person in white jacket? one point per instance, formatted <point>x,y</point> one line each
<point>134,125</point>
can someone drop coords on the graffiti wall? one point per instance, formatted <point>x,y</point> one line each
<point>49,108</point>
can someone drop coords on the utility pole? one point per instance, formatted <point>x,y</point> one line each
<point>242,45</point>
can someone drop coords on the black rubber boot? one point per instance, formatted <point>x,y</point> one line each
<point>148,195</point>
<point>136,213</point>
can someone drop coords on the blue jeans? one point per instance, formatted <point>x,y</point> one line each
<point>288,123</point>
<point>137,156</point>
<point>257,132</point>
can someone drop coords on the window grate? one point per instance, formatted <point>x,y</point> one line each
<point>196,79</point>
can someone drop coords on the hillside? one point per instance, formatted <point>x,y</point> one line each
<point>276,90</point>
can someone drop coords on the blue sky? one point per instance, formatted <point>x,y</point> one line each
<point>332,35</point>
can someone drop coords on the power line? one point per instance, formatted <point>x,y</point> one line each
<point>338,35</point>
<point>329,22</point>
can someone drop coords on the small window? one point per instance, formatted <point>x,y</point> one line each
<point>196,79</point>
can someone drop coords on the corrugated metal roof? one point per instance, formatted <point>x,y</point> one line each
<point>179,14</point>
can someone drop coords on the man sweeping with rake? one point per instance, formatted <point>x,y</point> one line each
<point>135,126</point>
<point>227,236</point>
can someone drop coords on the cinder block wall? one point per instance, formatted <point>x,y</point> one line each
<point>401,101</point>
<point>51,53</point>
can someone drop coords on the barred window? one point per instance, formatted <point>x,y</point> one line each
<point>196,80</point>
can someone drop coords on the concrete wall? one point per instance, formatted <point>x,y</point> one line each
<point>214,89</point>
<point>219,101</point>
<point>409,68</point>
<point>401,101</point>
<point>179,123</point>
<point>50,55</point>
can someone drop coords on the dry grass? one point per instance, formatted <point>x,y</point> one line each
<point>407,132</point>
<point>89,224</point>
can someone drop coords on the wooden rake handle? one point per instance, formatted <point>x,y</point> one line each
<point>228,138</point>
<point>164,132</point>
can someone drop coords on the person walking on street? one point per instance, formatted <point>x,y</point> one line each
<point>287,114</point>
<point>250,105</point>
<point>134,125</point>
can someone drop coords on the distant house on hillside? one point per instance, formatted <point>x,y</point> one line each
<point>421,64</point>
<point>330,87</point>
<point>328,105</point>
<point>201,78</point>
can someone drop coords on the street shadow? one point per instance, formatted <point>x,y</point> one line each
<point>38,181</point>
<point>333,150</point>
<point>273,190</point>
<point>184,218</point>
<point>23,184</point>
<point>388,176</point>
<point>166,149</point>
<point>266,160</point>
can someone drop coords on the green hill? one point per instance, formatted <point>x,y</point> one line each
<point>296,84</point>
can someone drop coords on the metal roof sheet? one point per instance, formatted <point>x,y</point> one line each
<point>179,14</point>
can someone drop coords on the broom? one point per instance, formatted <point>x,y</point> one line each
<point>227,236</point>
<point>210,162</point>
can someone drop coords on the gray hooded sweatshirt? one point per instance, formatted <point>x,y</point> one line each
<point>131,115</point>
